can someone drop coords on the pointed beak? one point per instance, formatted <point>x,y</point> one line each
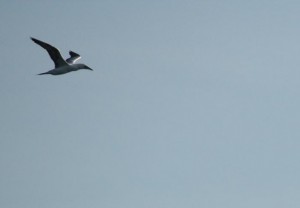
<point>89,68</point>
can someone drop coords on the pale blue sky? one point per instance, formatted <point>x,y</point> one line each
<point>190,104</point>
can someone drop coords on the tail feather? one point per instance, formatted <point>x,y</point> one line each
<point>43,73</point>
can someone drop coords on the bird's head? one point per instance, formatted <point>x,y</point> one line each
<point>81,66</point>
<point>86,67</point>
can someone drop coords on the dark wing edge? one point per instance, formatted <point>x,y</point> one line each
<point>52,51</point>
<point>73,57</point>
<point>73,54</point>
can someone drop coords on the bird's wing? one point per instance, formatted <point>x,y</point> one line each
<point>53,53</point>
<point>73,57</point>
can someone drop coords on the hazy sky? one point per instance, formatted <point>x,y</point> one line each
<point>191,104</point>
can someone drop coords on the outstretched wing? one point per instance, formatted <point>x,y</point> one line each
<point>53,53</point>
<point>73,57</point>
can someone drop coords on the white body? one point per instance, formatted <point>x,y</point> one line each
<point>65,69</point>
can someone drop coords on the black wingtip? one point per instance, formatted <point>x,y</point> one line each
<point>34,39</point>
<point>73,54</point>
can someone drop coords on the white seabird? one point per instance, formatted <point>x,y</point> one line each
<point>61,66</point>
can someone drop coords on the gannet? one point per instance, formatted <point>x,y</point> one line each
<point>61,66</point>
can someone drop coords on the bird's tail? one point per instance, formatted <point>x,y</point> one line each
<point>43,73</point>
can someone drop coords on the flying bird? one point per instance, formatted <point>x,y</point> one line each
<point>61,66</point>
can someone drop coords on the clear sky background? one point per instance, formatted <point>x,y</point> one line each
<point>191,104</point>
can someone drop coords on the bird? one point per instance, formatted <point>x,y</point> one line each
<point>61,66</point>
